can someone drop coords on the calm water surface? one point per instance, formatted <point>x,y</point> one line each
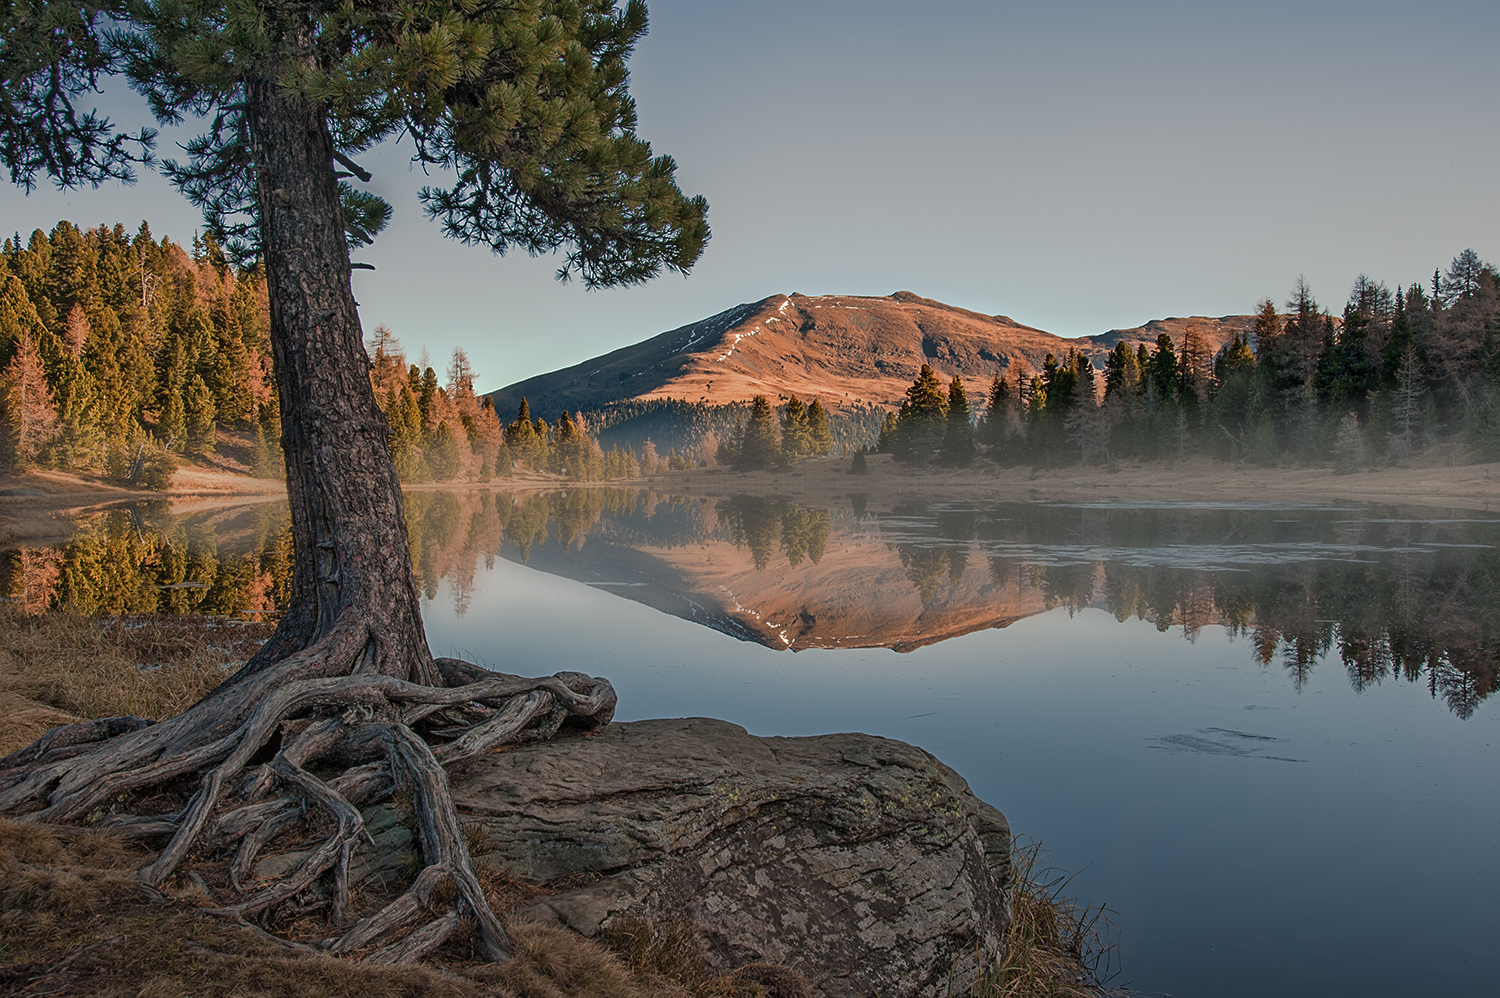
<point>1263,735</point>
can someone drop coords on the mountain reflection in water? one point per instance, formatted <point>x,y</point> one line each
<point>1397,596</point>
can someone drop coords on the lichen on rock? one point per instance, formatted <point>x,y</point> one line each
<point>861,862</point>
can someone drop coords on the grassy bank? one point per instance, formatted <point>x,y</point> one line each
<point>75,922</point>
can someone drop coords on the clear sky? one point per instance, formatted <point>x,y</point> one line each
<point>1076,164</point>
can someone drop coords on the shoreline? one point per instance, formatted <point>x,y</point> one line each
<point>38,507</point>
<point>827,481</point>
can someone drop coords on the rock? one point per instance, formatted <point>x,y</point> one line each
<point>863,863</point>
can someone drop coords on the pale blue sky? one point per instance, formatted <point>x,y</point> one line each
<point>1076,165</point>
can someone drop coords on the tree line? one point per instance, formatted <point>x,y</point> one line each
<point>120,352</point>
<point>1399,371</point>
<point>763,440</point>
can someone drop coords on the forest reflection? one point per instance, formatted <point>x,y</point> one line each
<point>1387,595</point>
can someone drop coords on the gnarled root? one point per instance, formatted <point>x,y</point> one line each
<point>293,753</point>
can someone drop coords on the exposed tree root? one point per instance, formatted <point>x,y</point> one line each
<point>290,754</point>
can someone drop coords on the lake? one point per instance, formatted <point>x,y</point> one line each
<point>1259,734</point>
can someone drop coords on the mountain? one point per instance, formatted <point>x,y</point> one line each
<point>844,349</point>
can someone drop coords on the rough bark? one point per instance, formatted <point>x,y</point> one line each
<point>348,521</point>
<point>345,705</point>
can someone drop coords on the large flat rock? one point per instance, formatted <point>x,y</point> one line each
<point>864,863</point>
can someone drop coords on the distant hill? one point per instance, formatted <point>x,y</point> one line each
<point>847,350</point>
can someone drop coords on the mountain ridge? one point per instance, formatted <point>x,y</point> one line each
<point>850,351</point>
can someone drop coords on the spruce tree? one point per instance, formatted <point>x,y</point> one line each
<point>442,453</point>
<point>889,427</point>
<point>18,316</point>
<point>996,413</point>
<point>921,422</point>
<point>171,419</point>
<point>958,437</point>
<point>796,441</point>
<point>759,447</point>
<point>198,416</point>
<point>820,438</point>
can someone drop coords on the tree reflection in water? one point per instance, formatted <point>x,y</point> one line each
<point>1391,595</point>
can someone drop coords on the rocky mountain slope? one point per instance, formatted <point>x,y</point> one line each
<point>845,349</point>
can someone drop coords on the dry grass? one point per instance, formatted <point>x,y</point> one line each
<point>74,922</point>
<point>1055,947</point>
<point>58,667</point>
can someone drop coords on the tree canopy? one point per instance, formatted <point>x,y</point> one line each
<point>524,106</point>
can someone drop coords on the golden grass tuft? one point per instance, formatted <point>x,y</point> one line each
<point>1055,947</point>
<point>57,668</point>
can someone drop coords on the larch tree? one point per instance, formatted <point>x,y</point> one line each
<point>524,107</point>
<point>27,412</point>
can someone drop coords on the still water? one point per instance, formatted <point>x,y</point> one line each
<point>1262,736</point>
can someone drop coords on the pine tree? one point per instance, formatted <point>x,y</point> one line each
<point>759,448</point>
<point>78,438</point>
<point>76,331</point>
<point>1408,402</point>
<point>1122,373</point>
<point>173,372</point>
<point>521,439</point>
<point>460,374</point>
<point>1349,448</point>
<point>18,317</point>
<point>921,423</point>
<point>198,416</point>
<point>427,397</point>
<point>958,436</point>
<point>442,453</point>
<point>819,436</point>
<point>889,426</point>
<point>1482,416</point>
<point>406,432</point>
<point>569,454</point>
<point>796,441</point>
<point>997,414</point>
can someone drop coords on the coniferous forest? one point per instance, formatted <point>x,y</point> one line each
<point>118,350</point>
<point>121,352</point>
<point>1398,371</point>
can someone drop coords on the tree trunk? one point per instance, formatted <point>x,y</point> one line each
<point>346,686</point>
<point>349,535</point>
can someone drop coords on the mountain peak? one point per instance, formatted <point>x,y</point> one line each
<point>848,350</point>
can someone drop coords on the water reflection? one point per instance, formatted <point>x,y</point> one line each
<point>141,559</point>
<point>1390,596</point>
